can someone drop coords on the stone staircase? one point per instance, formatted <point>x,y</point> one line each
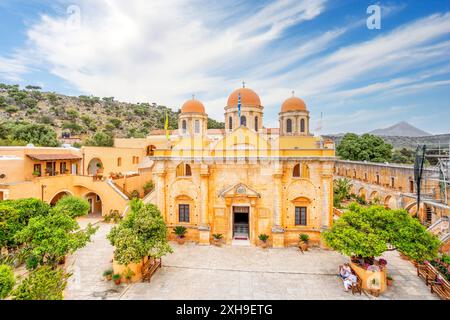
<point>441,229</point>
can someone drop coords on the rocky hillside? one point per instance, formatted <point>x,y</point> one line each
<point>83,116</point>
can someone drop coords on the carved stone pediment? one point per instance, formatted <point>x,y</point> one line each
<point>239,190</point>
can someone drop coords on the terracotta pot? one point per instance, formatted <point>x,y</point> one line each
<point>117,282</point>
<point>181,240</point>
<point>390,282</point>
<point>109,278</point>
<point>217,242</point>
<point>264,244</point>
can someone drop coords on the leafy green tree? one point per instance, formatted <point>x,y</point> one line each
<point>3,102</point>
<point>115,122</point>
<point>51,237</point>
<point>366,232</point>
<point>37,134</point>
<point>364,148</point>
<point>7,281</point>
<point>11,109</point>
<point>101,139</point>
<point>341,188</point>
<point>73,127</point>
<point>30,87</point>
<point>29,103</point>
<point>143,233</point>
<point>72,206</point>
<point>405,156</point>
<point>213,124</point>
<point>15,215</point>
<point>43,283</point>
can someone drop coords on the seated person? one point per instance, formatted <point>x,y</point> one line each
<point>349,281</point>
<point>345,270</point>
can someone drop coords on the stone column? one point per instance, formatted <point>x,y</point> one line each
<point>204,227</point>
<point>159,177</point>
<point>277,229</point>
<point>327,195</point>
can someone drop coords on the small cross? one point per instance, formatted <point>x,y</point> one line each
<point>293,93</point>
<point>193,97</point>
<point>243,84</point>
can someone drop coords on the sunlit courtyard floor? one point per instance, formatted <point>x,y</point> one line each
<point>207,272</point>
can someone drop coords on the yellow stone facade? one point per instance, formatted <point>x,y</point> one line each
<point>241,182</point>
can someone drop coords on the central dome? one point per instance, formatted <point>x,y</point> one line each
<point>248,98</point>
<point>193,106</point>
<point>293,104</point>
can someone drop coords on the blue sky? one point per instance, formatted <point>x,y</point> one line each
<point>165,51</point>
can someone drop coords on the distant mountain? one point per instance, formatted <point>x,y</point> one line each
<point>401,129</point>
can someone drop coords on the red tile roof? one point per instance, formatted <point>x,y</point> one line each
<point>53,157</point>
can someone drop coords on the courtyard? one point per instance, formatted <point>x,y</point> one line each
<point>196,272</point>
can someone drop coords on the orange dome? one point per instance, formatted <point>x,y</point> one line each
<point>193,106</point>
<point>248,98</point>
<point>293,104</point>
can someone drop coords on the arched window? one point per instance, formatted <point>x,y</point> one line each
<point>119,161</point>
<point>296,171</point>
<point>243,121</point>
<point>256,123</point>
<point>230,123</point>
<point>197,126</point>
<point>184,126</point>
<point>188,170</point>
<point>183,170</point>
<point>302,125</point>
<point>289,126</point>
<point>151,150</point>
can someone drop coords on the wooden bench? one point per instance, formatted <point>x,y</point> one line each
<point>149,268</point>
<point>442,288</point>
<point>427,273</point>
<point>357,287</point>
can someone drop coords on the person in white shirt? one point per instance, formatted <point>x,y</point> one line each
<point>351,279</point>
<point>345,271</point>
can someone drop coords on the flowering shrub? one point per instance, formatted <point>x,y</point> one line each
<point>442,267</point>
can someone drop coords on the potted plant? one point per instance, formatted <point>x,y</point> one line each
<point>263,238</point>
<point>217,239</point>
<point>107,274</point>
<point>117,278</point>
<point>99,168</point>
<point>36,173</point>
<point>304,240</point>
<point>128,275</point>
<point>180,232</point>
<point>148,187</point>
<point>389,280</point>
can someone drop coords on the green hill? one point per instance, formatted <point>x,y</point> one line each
<point>81,116</point>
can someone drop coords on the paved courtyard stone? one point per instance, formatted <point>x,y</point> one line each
<point>208,272</point>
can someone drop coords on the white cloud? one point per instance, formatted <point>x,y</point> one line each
<point>161,51</point>
<point>12,68</point>
<point>165,50</point>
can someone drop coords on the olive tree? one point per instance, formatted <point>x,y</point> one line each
<point>73,206</point>
<point>49,238</point>
<point>368,232</point>
<point>143,233</point>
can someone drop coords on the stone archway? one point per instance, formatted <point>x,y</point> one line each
<point>362,193</point>
<point>59,196</point>
<point>95,203</point>
<point>389,202</point>
<point>94,166</point>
